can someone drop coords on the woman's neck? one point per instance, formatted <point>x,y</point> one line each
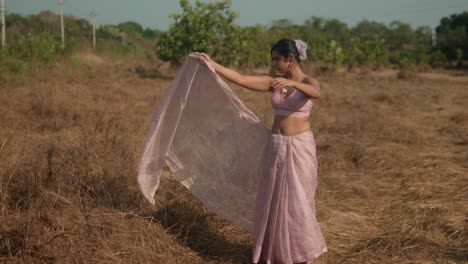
<point>295,74</point>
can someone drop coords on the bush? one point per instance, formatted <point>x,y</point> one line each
<point>438,59</point>
<point>109,32</point>
<point>356,54</point>
<point>459,56</point>
<point>4,54</point>
<point>334,56</point>
<point>452,36</point>
<point>76,62</point>
<point>417,56</point>
<point>371,51</point>
<point>420,55</point>
<point>401,57</point>
<point>15,65</point>
<point>205,27</point>
<point>43,47</point>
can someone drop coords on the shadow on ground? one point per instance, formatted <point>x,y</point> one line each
<point>201,232</point>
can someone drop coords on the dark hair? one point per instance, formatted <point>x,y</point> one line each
<point>285,47</point>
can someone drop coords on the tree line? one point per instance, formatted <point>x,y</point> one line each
<point>36,39</point>
<point>211,27</point>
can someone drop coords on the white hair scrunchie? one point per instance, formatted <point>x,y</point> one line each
<point>302,48</point>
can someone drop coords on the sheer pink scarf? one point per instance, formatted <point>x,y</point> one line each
<point>211,142</point>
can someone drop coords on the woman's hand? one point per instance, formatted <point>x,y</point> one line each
<point>279,83</point>
<point>207,58</point>
<point>309,86</point>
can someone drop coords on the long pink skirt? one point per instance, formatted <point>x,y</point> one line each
<point>286,230</point>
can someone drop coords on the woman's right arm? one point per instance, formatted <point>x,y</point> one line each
<point>256,83</point>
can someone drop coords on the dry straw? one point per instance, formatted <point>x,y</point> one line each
<point>392,179</point>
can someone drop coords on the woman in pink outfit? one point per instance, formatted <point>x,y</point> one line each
<point>285,227</point>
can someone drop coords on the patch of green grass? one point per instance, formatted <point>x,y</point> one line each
<point>15,65</point>
<point>76,62</point>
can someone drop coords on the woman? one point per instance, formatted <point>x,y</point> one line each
<point>285,229</point>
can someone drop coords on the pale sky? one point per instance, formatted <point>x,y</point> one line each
<point>155,13</point>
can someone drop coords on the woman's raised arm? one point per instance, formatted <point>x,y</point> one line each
<point>256,83</point>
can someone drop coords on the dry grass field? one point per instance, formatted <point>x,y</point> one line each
<point>393,169</point>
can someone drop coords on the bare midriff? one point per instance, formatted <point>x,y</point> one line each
<point>289,125</point>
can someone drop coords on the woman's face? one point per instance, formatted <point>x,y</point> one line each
<point>280,63</point>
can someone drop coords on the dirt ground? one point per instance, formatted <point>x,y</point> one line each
<point>393,169</point>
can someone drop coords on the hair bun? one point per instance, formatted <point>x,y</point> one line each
<point>302,48</point>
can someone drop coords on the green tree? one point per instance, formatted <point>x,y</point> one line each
<point>149,33</point>
<point>400,35</point>
<point>204,27</point>
<point>322,31</point>
<point>258,43</point>
<point>424,37</point>
<point>282,23</point>
<point>334,56</point>
<point>437,59</point>
<point>43,47</point>
<point>109,32</point>
<point>336,30</point>
<point>131,28</point>
<point>452,34</point>
<point>366,30</point>
<point>370,51</point>
<point>355,53</point>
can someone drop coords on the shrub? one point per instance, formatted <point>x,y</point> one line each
<point>76,62</point>
<point>371,51</point>
<point>206,27</point>
<point>401,57</point>
<point>420,55</point>
<point>334,56</point>
<point>437,59</point>
<point>43,47</point>
<point>15,65</point>
<point>318,53</point>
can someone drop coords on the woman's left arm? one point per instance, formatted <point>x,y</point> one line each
<point>309,86</point>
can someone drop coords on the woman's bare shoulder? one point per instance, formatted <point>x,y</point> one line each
<point>310,80</point>
<point>273,76</point>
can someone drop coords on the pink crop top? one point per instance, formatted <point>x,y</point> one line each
<point>295,104</point>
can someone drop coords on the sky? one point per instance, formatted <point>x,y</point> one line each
<point>155,13</point>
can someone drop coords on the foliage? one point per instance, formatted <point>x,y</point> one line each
<point>356,52</point>
<point>15,65</point>
<point>334,56</point>
<point>318,53</point>
<point>452,34</point>
<point>424,36</point>
<point>438,59</point>
<point>400,35</point>
<point>366,30</point>
<point>401,58</point>
<point>43,47</point>
<point>204,27</point>
<point>77,62</point>
<point>370,51</point>
<point>210,27</point>
<point>109,32</point>
<point>131,27</point>
<point>149,33</point>
<point>322,31</point>
<point>420,55</point>
<point>416,56</point>
<point>46,21</point>
<point>459,55</point>
<point>258,43</point>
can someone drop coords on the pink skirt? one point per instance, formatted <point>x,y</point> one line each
<point>285,229</point>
